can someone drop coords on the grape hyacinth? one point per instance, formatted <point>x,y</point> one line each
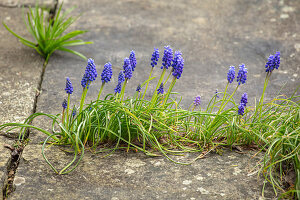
<point>106,73</point>
<point>69,87</point>
<point>197,101</point>
<point>244,101</point>
<point>167,59</point>
<point>74,112</point>
<point>138,89</point>
<point>242,74</point>
<point>132,60</point>
<point>231,74</point>
<point>155,57</point>
<point>273,62</point>
<point>121,77</point>
<point>177,55</point>
<point>64,104</point>
<point>127,68</point>
<point>90,74</point>
<point>178,68</point>
<point>217,93</point>
<point>118,88</point>
<point>160,89</point>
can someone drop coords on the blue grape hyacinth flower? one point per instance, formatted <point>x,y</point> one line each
<point>121,77</point>
<point>231,74</point>
<point>139,87</point>
<point>178,68</point>
<point>244,101</point>
<point>106,73</point>
<point>217,93</point>
<point>155,57</point>
<point>177,55</point>
<point>64,104</point>
<point>69,87</point>
<point>273,62</point>
<point>242,74</point>
<point>197,101</point>
<point>118,87</point>
<point>167,59</point>
<point>127,68</point>
<point>160,89</point>
<point>132,59</point>
<point>74,112</point>
<point>90,74</point>
<point>241,109</point>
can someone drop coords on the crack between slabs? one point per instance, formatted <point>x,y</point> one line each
<point>16,153</point>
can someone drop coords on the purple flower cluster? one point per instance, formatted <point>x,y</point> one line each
<point>106,73</point>
<point>178,64</point>
<point>244,101</point>
<point>167,59</point>
<point>69,87</point>
<point>176,57</point>
<point>217,93</point>
<point>155,57</point>
<point>74,112</point>
<point>160,89</point>
<point>242,74</point>
<point>197,101</point>
<point>64,104</point>
<point>273,62</point>
<point>231,74</point>
<point>132,60</point>
<point>118,87</point>
<point>139,87</point>
<point>127,68</point>
<point>90,74</point>
<point>121,79</point>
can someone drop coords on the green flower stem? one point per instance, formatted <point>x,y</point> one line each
<point>153,100</point>
<point>261,101</point>
<point>82,102</point>
<point>102,86</point>
<point>67,112</point>
<point>228,99</point>
<point>168,77</point>
<point>169,91</point>
<point>123,90</point>
<point>148,83</point>
<point>63,116</point>
<point>224,97</point>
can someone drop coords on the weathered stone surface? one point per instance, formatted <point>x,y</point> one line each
<point>136,176</point>
<point>20,69</point>
<point>26,3</point>
<point>4,159</point>
<point>212,35</point>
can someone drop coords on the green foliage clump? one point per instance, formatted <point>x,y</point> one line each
<point>49,34</point>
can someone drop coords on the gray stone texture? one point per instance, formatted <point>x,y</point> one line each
<point>212,35</point>
<point>20,70</point>
<point>135,176</point>
<point>4,160</point>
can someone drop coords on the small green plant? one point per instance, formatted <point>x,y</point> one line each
<point>160,126</point>
<point>49,34</point>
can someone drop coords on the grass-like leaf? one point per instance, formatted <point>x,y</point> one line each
<point>49,35</point>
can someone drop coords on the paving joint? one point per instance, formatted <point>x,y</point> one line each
<point>16,153</point>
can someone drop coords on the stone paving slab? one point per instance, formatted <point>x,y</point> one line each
<point>135,176</point>
<point>20,71</point>
<point>212,36</point>
<point>4,159</point>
